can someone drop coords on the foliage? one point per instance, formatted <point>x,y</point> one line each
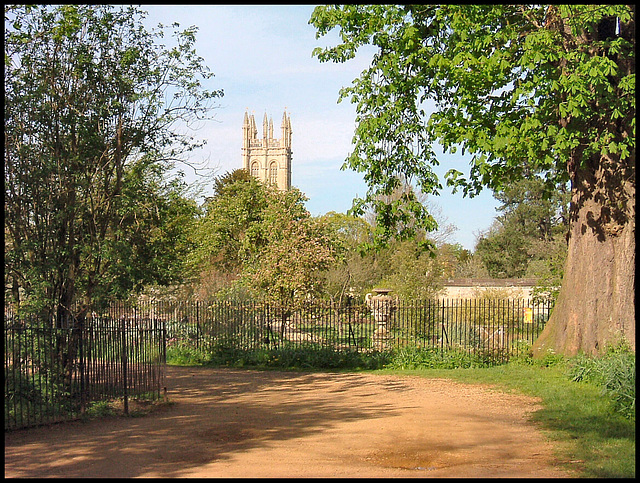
<point>453,257</point>
<point>404,266</point>
<point>492,73</point>
<point>286,357</point>
<point>354,272</point>
<point>100,409</point>
<point>309,356</point>
<point>416,357</point>
<point>38,399</point>
<point>548,270</point>
<point>266,239</point>
<point>411,272</point>
<point>527,237</point>
<point>92,102</point>
<point>152,240</point>
<point>221,183</point>
<point>223,236</point>
<point>614,372</point>
<point>544,91</point>
<point>297,248</point>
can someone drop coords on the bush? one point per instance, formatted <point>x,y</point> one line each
<point>614,372</point>
<point>416,357</point>
<point>286,357</point>
<point>185,354</point>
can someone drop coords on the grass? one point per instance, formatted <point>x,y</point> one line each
<point>588,404</point>
<point>138,407</point>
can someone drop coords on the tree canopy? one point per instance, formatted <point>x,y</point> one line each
<point>500,82</point>
<point>92,106</point>
<point>523,90</point>
<point>526,230</point>
<point>263,240</point>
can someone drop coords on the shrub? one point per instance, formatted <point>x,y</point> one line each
<point>416,357</point>
<point>614,372</point>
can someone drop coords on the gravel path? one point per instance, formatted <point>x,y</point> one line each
<point>244,423</point>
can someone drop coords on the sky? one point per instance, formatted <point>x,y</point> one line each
<point>261,58</point>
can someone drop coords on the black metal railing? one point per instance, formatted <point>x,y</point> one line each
<point>499,326</point>
<point>54,371</point>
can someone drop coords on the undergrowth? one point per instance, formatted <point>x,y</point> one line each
<point>287,357</point>
<point>614,373</point>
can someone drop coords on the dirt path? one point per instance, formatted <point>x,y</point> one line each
<point>239,423</point>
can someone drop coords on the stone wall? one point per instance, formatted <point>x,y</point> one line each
<point>476,288</point>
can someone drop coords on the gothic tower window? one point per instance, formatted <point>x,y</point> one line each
<point>254,169</point>
<point>273,173</point>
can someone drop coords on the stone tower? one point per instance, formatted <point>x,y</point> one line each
<point>267,158</point>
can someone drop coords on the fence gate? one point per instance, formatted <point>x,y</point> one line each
<point>55,371</point>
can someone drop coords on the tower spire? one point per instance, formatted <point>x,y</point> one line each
<point>246,130</point>
<point>265,127</point>
<point>285,141</point>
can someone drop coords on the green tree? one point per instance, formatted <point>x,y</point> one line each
<point>222,182</point>
<point>152,241</point>
<point>528,226</point>
<point>287,269</point>
<point>503,251</point>
<point>92,106</point>
<point>223,234</point>
<point>410,271</point>
<point>352,274</point>
<point>544,90</point>
<point>264,240</point>
<point>403,266</point>
<point>454,259</point>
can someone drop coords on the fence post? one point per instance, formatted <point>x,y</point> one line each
<point>124,363</point>
<point>82,366</point>
<point>444,330</point>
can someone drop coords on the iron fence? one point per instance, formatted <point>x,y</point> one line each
<point>55,371</point>
<point>498,327</point>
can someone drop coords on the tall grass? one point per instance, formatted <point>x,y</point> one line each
<point>614,373</point>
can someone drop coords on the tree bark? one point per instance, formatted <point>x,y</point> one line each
<point>596,304</point>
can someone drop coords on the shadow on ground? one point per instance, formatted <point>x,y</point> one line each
<point>214,414</point>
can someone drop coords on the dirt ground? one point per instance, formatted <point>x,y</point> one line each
<point>242,423</point>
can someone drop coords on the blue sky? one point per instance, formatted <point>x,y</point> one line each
<point>261,58</point>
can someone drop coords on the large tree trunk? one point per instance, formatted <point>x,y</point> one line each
<point>596,304</point>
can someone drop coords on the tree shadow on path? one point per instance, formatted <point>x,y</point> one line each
<point>214,414</point>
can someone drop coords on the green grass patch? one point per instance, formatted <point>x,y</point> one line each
<point>137,407</point>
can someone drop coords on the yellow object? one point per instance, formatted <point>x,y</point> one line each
<point>528,315</point>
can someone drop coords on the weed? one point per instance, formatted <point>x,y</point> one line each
<point>614,373</point>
